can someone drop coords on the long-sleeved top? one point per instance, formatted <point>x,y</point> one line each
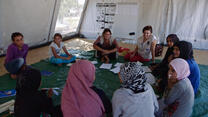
<point>128,104</point>
<point>182,93</point>
<point>194,77</point>
<point>13,52</point>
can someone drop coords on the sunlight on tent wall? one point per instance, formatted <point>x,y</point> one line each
<point>69,16</point>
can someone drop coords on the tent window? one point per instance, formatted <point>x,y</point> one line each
<point>69,16</point>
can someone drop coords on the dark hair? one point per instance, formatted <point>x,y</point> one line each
<point>186,50</point>
<point>147,28</point>
<point>57,35</point>
<point>174,38</point>
<point>16,34</point>
<point>106,30</point>
<point>28,81</point>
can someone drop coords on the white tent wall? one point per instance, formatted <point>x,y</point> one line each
<point>88,27</point>
<point>31,17</point>
<point>186,18</point>
<point>146,16</point>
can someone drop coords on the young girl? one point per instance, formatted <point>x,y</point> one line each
<point>106,46</point>
<point>79,97</point>
<point>135,98</point>
<point>16,54</point>
<point>145,49</point>
<point>160,70</point>
<point>55,51</point>
<point>183,49</point>
<point>29,101</point>
<point>179,95</point>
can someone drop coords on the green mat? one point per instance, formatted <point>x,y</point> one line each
<point>105,80</point>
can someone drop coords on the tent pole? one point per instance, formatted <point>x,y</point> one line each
<point>52,20</point>
<point>82,16</point>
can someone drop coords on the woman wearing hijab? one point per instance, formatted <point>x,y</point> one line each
<point>30,102</point>
<point>79,97</point>
<point>183,49</point>
<point>171,40</point>
<point>161,69</point>
<point>179,96</point>
<point>135,98</point>
<point>106,46</point>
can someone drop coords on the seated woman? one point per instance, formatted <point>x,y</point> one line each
<point>161,69</point>
<point>179,96</point>
<point>135,98</point>
<point>183,49</point>
<point>79,97</point>
<point>16,54</point>
<point>145,49</point>
<point>29,101</point>
<point>106,46</point>
<point>55,51</point>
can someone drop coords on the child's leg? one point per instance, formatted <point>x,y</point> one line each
<point>64,55</point>
<point>73,58</point>
<point>102,59</point>
<point>14,66</point>
<point>57,61</point>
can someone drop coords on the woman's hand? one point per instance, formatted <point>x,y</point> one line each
<point>105,52</point>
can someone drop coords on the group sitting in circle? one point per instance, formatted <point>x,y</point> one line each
<point>178,80</point>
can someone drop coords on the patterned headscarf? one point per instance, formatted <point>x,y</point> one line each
<point>133,77</point>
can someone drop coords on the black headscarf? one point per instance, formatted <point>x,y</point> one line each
<point>174,38</point>
<point>186,50</point>
<point>28,82</point>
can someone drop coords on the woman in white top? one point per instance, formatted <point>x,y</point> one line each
<point>135,98</point>
<point>145,49</point>
<point>55,51</point>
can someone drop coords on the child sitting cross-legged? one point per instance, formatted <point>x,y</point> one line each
<point>55,51</point>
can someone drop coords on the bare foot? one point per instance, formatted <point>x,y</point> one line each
<point>107,59</point>
<point>13,76</point>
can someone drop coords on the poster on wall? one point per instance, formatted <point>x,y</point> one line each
<point>105,15</point>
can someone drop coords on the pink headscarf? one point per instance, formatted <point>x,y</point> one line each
<point>78,99</point>
<point>181,67</point>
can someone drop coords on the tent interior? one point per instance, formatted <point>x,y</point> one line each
<point>81,22</point>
